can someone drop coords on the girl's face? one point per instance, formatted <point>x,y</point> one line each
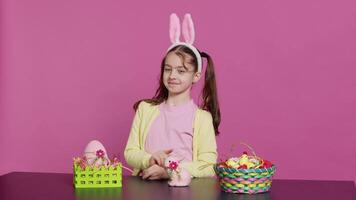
<point>178,74</point>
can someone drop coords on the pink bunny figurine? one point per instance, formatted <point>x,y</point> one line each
<point>179,177</point>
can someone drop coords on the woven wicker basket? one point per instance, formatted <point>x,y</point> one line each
<point>250,181</point>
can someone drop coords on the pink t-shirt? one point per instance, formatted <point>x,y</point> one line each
<point>173,129</point>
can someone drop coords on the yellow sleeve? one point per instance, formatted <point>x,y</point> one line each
<point>202,166</point>
<point>134,154</point>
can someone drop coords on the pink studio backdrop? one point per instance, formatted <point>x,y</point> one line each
<point>71,71</point>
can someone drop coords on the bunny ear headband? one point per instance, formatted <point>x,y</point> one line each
<point>188,34</point>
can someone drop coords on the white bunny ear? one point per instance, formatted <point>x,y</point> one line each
<point>174,28</point>
<point>188,29</point>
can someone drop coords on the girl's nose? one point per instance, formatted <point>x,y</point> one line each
<point>172,74</point>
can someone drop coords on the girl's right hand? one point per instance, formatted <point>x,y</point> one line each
<point>159,157</point>
<point>155,172</point>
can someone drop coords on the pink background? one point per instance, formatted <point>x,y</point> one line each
<point>71,71</point>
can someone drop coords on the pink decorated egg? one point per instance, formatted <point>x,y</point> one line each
<point>96,154</point>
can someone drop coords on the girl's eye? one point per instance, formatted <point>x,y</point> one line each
<point>167,70</point>
<point>181,71</point>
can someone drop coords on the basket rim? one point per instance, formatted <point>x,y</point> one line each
<point>217,168</point>
<point>76,167</point>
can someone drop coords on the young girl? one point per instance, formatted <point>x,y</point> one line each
<point>171,123</point>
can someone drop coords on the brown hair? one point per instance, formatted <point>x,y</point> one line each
<point>209,93</point>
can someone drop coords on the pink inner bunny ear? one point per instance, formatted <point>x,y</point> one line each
<point>188,29</point>
<point>174,28</point>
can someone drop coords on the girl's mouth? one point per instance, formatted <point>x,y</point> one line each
<point>172,83</point>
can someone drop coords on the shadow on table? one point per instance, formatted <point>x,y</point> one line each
<point>98,193</point>
<point>207,188</point>
<point>262,196</point>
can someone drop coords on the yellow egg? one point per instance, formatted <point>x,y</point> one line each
<point>232,162</point>
<point>251,165</point>
<point>244,160</point>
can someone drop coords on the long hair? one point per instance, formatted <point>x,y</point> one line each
<point>209,93</point>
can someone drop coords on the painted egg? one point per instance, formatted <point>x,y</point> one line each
<point>244,160</point>
<point>233,162</point>
<point>96,154</point>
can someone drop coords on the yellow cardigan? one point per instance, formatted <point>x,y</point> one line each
<point>204,144</point>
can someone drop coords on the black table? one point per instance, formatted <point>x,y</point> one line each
<point>23,185</point>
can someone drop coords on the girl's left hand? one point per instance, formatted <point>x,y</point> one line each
<point>155,172</point>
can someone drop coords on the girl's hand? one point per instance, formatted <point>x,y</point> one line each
<point>155,172</point>
<point>159,157</point>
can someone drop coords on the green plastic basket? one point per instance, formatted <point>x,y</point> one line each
<point>102,177</point>
<point>250,181</point>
